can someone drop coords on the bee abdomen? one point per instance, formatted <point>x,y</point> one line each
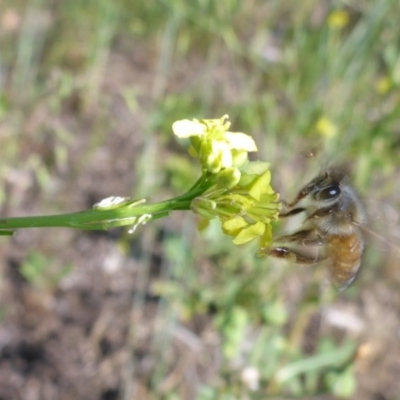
<point>345,254</point>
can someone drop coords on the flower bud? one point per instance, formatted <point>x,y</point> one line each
<point>239,158</point>
<point>246,180</point>
<point>204,207</point>
<point>260,185</point>
<point>228,178</point>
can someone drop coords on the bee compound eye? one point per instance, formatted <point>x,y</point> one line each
<point>329,193</point>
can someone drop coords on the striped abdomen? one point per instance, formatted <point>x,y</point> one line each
<point>345,254</point>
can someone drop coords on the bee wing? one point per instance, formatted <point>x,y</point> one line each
<point>383,224</point>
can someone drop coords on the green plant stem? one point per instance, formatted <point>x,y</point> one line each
<point>100,219</point>
<point>94,219</point>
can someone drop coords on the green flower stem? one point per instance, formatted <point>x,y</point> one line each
<point>94,219</point>
<point>101,219</point>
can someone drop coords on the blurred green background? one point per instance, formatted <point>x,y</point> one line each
<point>88,93</point>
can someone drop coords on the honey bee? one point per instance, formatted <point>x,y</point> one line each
<point>334,216</point>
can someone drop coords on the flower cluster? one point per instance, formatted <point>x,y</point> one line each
<point>239,192</point>
<point>213,144</point>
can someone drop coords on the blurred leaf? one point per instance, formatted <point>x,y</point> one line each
<point>275,313</point>
<point>232,325</point>
<point>6,233</point>
<point>332,358</point>
<point>41,272</point>
<point>342,384</point>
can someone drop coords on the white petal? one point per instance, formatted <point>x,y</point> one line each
<point>240,141</point>
<point>112,202</point>
<point>186,128</point>
<point>222,151</point>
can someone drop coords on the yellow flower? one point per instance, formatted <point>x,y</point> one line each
<point>213,144</point>
<point>245,210</point>
<point>249,232</point>
<point>383,85</point>
<point>239,193</point>
<point>326,127</point>
<point>338,19</point>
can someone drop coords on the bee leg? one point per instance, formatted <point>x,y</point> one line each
<point>303,193</point>
<point>306,237</point>
<point>307,189</point>
<point>322,213</point>
<point>293,255</point>
<point>291,212</point>
<point>289,209</point>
